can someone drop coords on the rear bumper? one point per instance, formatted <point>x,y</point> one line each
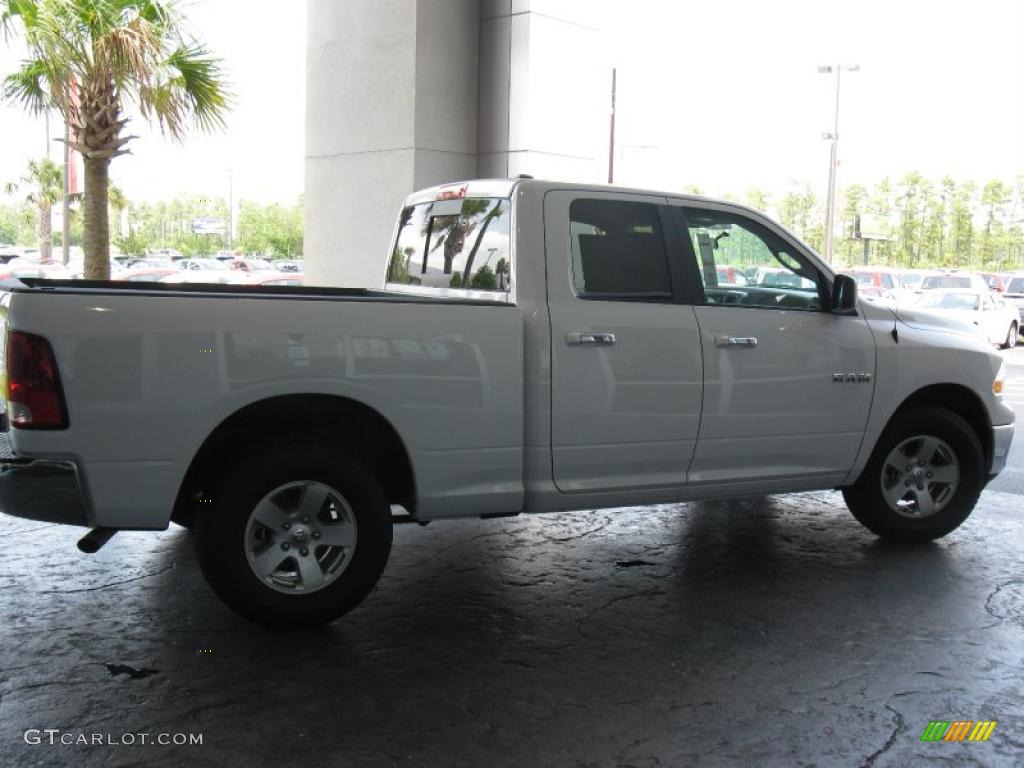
<point>1002,436</point>
<point>48,491</point>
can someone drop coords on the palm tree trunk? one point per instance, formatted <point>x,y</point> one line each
<point>45,232</point>
<point>476,247</point>
<point>95,219</point>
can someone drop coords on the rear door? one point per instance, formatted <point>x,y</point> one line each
<point>626,377</point>
<point>787,384</point>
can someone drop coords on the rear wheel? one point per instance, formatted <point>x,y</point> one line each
<point>1011,337</point>
<point>923,479</point>
<point>295,536</point>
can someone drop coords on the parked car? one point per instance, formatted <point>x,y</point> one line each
<point>953,280</point>
<point>996,281</point>
<point>1014,295</point>
<point>172,254</point>
<point>252,265</point>
<point>876,282</point>
<point>773,277</point>
<point>151,262</point>
<point>727,275</point>
<point>144,275</point>
<point>270,277</point>
<point>200,271</point>
<point>998,319</point>
<point>289,427</point>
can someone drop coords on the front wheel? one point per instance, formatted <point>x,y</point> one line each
<point>295,536</point>
<point>923,478</point>
<point>1011,337</point>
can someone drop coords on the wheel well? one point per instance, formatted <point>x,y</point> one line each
<point>960,400</point>
<point>361,429</point>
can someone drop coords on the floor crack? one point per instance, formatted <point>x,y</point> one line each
<point>105,586</point>
<point>899,726</point>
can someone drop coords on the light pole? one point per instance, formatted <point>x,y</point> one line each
<point>830,205</point>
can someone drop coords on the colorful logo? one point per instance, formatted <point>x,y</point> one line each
<point>958,730</point>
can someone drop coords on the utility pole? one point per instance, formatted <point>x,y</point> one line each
<point>66,223</point>
<point>231,211</point>
<point>611,140</point>
<point>830,206</point>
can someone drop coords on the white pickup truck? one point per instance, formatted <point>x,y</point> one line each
<point>534,347</point>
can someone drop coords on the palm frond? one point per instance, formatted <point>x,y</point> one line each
<point>190,84</point>
<point>28,86</point>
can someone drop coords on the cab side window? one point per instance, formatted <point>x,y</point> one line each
<point>618,251</point>
<point>740,262</point>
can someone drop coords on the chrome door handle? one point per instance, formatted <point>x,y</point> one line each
<point>590,338</point>
<point>735,341</point>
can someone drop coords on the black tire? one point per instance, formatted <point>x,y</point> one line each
<point>221,535</point>
<point>1011,337</point>
<point>868,504</point>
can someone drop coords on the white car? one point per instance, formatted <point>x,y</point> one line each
<point>574,360</point>
<point>1014,295</point>
<point>200,271</point>
<point>998,319</point>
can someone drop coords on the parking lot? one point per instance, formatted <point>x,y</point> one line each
<point>767,631</point>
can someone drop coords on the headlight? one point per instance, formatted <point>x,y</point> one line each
<point>997,385</point>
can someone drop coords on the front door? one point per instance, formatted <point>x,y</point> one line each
<point>626,374</point>
<point>787,384</point>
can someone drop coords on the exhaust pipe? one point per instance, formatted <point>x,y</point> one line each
<point>94,539</point>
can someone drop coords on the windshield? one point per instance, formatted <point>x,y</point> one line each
<point>1016,285</point>
<point>968,301</point>
<point>453,244</point>
<point>911,280</point>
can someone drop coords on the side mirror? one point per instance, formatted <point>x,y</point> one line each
<point>844,295</point>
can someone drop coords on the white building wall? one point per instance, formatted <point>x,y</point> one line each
<point>405,94</point>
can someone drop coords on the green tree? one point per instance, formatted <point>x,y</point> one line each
<point>484,279</point>
<point>44,183</point>
<point>758,199</point>
<point>272,230</point>
<point>86,57</point>
<point>961,228</point>
<point>797,210</point>
<point>118,203</point>
<point>854,202</point>
<point>994,197</point>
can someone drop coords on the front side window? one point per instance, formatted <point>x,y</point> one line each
<point>617,251</point>
<point>727,244</point>
<point>461,243</point>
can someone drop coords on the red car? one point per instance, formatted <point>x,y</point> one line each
<point>996,282</point>
<point>875,281</point>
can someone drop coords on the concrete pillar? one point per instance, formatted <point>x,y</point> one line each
<point>544,90</point>
<point>405,94</point>
<point>391,104</point>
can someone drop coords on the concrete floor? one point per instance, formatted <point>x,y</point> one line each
<point>772,631</point>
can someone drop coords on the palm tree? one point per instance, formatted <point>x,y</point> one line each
<point>45,182</point>
<point>118,201</point>
<point>86,59</point>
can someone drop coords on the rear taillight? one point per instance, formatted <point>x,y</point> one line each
<point>34,396</point>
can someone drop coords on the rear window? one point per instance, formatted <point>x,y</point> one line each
<point>945,281</point>
<point>462,244</point>
<point>1016,285</point>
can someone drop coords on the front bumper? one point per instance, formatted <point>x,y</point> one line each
<point>1002,436</point>
<point>48,491</point>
